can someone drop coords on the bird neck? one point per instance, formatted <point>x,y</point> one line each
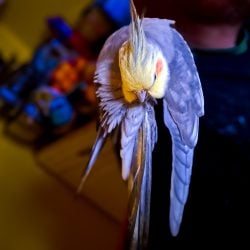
<point>202,36</point>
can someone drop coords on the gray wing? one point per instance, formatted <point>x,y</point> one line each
<point>183,105</point>
<point>159,31</point>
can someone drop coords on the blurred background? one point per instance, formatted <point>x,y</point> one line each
<point>48,50</point>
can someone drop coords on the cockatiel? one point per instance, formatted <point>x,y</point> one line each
<point>139,64</point>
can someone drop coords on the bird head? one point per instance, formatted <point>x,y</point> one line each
<point>144,69</point>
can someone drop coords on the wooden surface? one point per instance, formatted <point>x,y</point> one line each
<point>66,159</point>
<point>39,212</point>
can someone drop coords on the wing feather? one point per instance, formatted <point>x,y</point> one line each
<point>183,105</point>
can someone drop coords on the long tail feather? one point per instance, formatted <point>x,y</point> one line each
<point>135,178</point>
<point>99,143</point>
<point>139,202</point>
<point>145,197</point>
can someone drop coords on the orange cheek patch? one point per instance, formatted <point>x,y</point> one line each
<point>159,66</point>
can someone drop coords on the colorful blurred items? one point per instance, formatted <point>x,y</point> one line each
<point>94,25</point>
<point>100,19</point>
<point>49,55</point>
<point>61,112</point>
<point>75,78</point>
<point>88,91</point>
<point>68,36</point>
<point>54,107</point>
<point>118,11</point>
<point>68,74</point>
<point>8,95</point>
<point>59,27</point>
<point>32,113</point>
<point>16,89</point>
<point>47,114</point>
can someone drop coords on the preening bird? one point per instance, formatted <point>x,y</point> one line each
<point>139,64</point>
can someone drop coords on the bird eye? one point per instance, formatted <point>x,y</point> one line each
<point>155,77</point>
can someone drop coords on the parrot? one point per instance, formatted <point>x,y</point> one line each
<point>139,65</point>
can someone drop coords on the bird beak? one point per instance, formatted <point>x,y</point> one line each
<point>141,95</point>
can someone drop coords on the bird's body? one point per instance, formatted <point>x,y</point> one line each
<point>137,65</point>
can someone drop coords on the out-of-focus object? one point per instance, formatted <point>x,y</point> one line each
<point>16,89</point>
<point>118,12</point>
<point>69,36</point>
<point>101,19</point>
<point>68,74</point>
<point>48,113</point>
<point>63,66</point>
<point>54,106</point>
